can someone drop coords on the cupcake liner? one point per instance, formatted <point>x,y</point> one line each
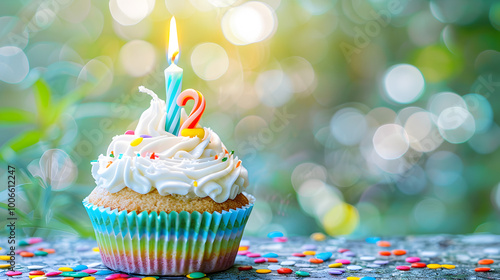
<point>168,244</point>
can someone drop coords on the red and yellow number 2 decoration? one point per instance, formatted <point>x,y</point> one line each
<point>188,128</point>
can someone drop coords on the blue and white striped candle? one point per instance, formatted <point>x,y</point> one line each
<point>173,82</point>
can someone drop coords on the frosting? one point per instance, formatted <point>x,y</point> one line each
<point>192,167</point>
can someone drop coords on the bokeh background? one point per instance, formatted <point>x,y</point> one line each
<point>364,117</point>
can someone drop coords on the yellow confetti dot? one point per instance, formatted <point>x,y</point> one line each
<point>433,266</point>
<point>136,142</point>
<point>334,265</point>
<point>95,249</point>
<point>5,258</point>
<point>352,278</point>
<point>37,276</point>
<point>448,266</point>
<point>195,183</point>
<point>318,236</point>
<point>263,271</point>
<point>309,253</point>
<point>90,278</point>
<point>64,268</point>
<point>243,248</point>
<point>148,278</point>
<point>4,265</point>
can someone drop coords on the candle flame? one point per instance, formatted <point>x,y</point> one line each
<point>173,43</point>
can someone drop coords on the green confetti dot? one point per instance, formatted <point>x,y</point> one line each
<point>224,159</point>
<point>41,253</point>
<point>302,273</point>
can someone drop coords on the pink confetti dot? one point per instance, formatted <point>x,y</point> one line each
<point>343,261</point>
<point>412,259</point>
<point>403,267</point>
<point>253,255</point>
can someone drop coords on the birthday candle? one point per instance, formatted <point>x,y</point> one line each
<point>173,82</point>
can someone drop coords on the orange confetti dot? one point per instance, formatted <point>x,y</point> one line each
<point>49,251</point>
<point>314,260</point>
<point>482,269</point>
<point>272,260</point>
<point>399,252</point>
<point>485,261</point>
<point>243,248</point>
<point>26,254</point>
<point>418,265</point>
<point>216,157</point>
<point>109,163</point>
<point>384,243</point>
<point>68,278</point>
<point>384,253</point>
<point>238,164</point>
<point>309,253</point>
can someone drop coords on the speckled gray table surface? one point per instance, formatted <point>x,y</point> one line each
<point>463,252</point>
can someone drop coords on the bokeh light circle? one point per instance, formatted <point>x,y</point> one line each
<point>307,171</point>
<point>391,141</point>
<point>274,88</point>
<point>486,142</point>
<point>14,65</point>
<point>130,12</point>
<point>222,3</point>
<point>209,61</point>
<point>422,132</point>
<point>348,126</point>
<point>249,23</point>
<point>138,58</point>
<point>301,74</point>
<point>443,100</point>
<point>429,214</point>
<point>316,198</point>
<point>404,83</point>
<point>443,168</point>
<point>456,125</point>
<point>480,108</point>
<point>97,72</point>
<point>341,219</point>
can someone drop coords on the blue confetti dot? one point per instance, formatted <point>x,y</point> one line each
<point>324,256</point>
<point>80,267</point>
<point>373,240</point>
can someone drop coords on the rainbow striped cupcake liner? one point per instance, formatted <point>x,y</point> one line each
<point>168,244</point>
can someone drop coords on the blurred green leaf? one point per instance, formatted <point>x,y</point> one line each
<point>42,98</point>
<point>25,140</point>
<point>15,116</point>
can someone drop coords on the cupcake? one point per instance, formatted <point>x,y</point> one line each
<point>167,204</point>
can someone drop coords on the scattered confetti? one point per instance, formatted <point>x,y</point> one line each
<point>263,271</point>
<point>245,267</point>
<point>196,275</point>
<point>285,270</point>
<point>482,269</point>
<point>433,266</point>
<point>318,236</point>
<point>403,267</point>
<point>485,261</point>
<point>302,273</point>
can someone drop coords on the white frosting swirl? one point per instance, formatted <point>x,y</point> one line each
<point>180,165</point>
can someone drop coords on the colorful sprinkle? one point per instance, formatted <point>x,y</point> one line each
<point>280,239</point>
<point>136,142</point>
<point>109,163</point>
<point>399,252</point>
<point>26,254</point>
<point>448,266</point>
<point>224,159</point>
<point>263,271</point>
<point>372,240</point>
<point>112,154</point>
<point>238,164</point>
<point>324,256</point>
<point>253,255</point>
<point>418,265</point>
<point>153,156</point>
<point>145,136</point>
<point>196,275</point>
<point>245,267</point>
<point>482,269</point>
<point>335,271</point>
<point>259,260</point>
<point>270,255</point>
<point>95,249</point>
<point>485,261</point>
<point>342,250</point>
<point>314,260</point>
<point>302,273</point>
<point>412,259</point>
<point>92,278</point>
<point>352,278</point>
<point>383,243</point>
<point>335,265</point>
<point>80,267</point>
<point>232,152</point>
<point>5,258</point>
<point>343,261</point>
<point>433,266</point>
<point>284,270</point>
<point>300,255</point>
<point>216,157</point>
<point>367,278</point>
<point>129,132</point>
<point>403,267</point>
<point>64,268</point>
<point>309,253</point>
<point>195,183</point>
